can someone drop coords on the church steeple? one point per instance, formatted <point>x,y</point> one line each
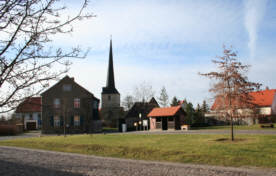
<point>110,83</point>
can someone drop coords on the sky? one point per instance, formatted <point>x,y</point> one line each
<point>167,43</point>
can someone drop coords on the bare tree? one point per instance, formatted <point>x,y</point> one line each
<point>128,102</point>
<point>163,98</point>
<point>26,56</point>
<point>232,89</point>
<point>143,92</point>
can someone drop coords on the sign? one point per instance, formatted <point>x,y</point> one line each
<point>145,122</point>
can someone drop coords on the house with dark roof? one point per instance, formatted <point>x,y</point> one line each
<point>138,114</point>
<point>29,111</point>
<point>265,102</point>
<point>167,118</point>
<point>70,108</point>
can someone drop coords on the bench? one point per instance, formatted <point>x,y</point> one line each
<point>185,127</point>
<point>268,125</point>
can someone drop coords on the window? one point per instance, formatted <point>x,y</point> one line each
<point>67,87</point>
<point>170,118</point>
<point>109,97</point>
<point>56,103</point>
<point>31,116</point>
<point>56,121</point>
<point>158,119</point>
<point>76,120</point>
<point>76,103</point>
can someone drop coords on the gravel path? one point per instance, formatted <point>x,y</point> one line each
<point>18,162</point>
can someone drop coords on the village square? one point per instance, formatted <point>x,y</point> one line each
<point>83,94</point>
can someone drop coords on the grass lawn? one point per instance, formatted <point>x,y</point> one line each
<point>248,150</point>
<point>238,127</point>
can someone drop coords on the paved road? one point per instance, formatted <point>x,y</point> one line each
<point>23,135</point>
<point>216,131</point>
<point>29,162</point>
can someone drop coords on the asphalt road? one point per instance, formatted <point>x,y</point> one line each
<point>215,131</point>
<point>20,162</point>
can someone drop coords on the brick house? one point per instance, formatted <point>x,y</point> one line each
<point>29,111</point>
<point>68,106</point>
<point>265,101</point>
<point>168,118</point>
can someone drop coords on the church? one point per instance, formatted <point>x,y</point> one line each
<point>111,111</point>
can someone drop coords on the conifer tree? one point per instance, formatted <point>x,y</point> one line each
<point>175,101</point>
<point>163,98</point>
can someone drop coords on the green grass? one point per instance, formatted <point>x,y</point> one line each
<point>238,127</point>
<point>248,150</point>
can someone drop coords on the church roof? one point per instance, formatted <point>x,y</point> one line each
<point>110,82</point>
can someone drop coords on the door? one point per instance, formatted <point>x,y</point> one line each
<point>177,123</point>
<point>164,123</point>
<point>31,125</point>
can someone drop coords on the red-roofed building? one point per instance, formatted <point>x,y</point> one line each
<point>30,113</point>
<point>265,101</point>
<point>167,118</point>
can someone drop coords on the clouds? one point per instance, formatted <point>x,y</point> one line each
<point>150,21</point>
<point>254,12</point>
<point>166,43</point>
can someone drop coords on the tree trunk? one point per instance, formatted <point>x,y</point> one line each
<point>232,129</point>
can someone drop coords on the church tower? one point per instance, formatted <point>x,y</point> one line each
<point>110,110</point>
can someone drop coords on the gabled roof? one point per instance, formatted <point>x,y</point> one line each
<point>169,111</point>
<point>142,107</point>
<point>67,78</point>
<point>32,104</point>
<point>262,98</point>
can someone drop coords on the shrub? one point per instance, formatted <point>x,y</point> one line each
<point>9,129</point>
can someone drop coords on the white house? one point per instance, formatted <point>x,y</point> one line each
<point>265,101</point>
<point>30,113</point>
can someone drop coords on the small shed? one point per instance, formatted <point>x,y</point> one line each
<point>167,118</point>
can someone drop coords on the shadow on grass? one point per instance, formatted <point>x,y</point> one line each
<point>229,140</point>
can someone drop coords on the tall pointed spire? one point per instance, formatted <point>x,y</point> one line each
<point>110,83</point>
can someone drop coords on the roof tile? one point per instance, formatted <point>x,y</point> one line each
<point>169,111</point>
<point>260,98</point>
<point>30,105</point>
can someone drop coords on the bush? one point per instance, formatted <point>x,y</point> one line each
<point>9,129</point>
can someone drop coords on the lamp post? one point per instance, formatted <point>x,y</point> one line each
<point>140,122</point>
<point>135,124</point>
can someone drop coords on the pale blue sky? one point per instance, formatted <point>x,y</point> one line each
<point>166,43</point>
